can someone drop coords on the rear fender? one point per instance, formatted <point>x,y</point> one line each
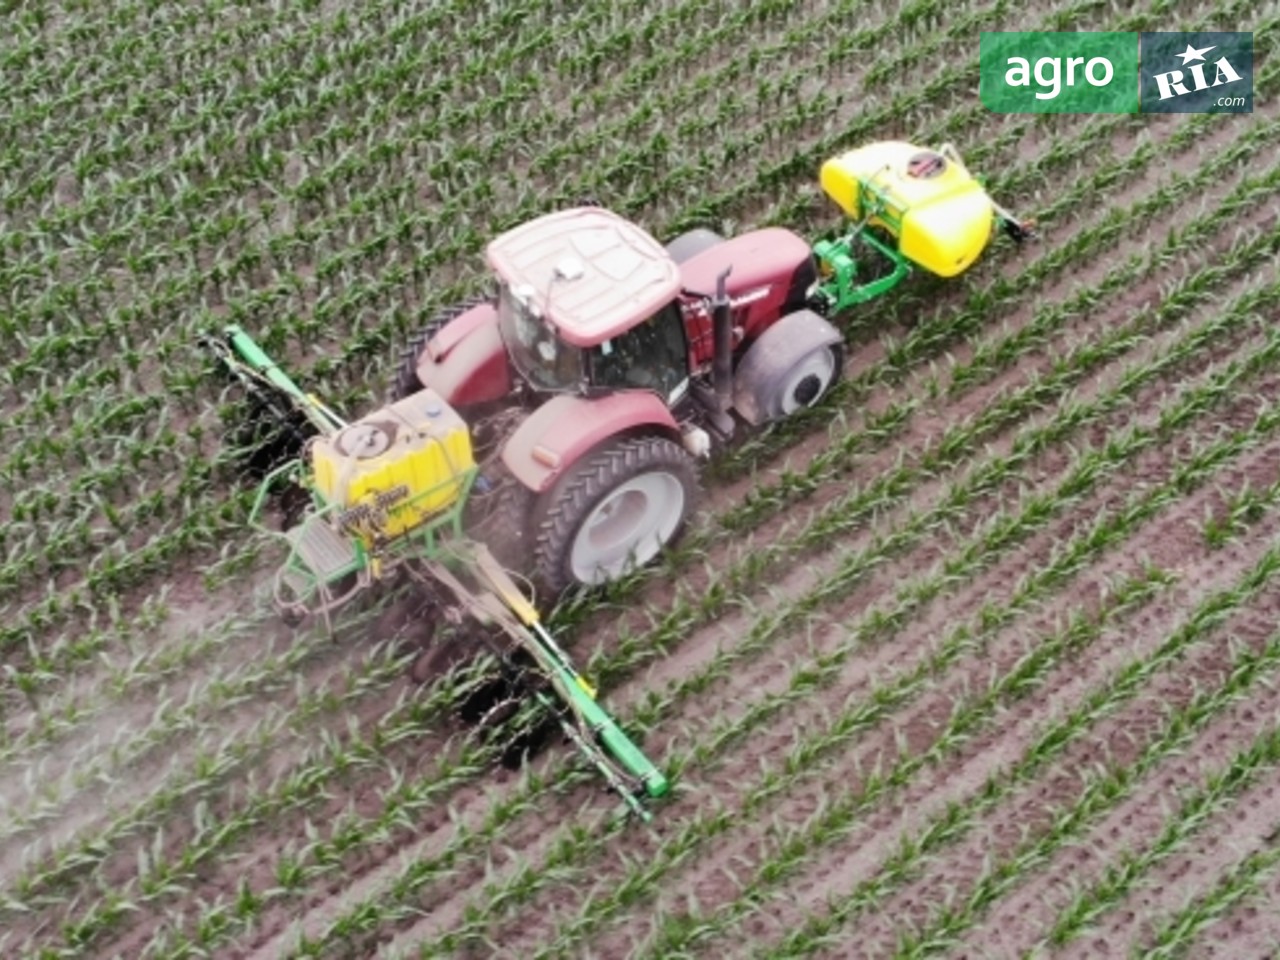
<point>466,362</point>
<point>564,429</point>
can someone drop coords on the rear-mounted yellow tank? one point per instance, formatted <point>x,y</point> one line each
<point>401,465</point>
<point>941,216</point>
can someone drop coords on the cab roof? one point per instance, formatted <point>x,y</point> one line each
<point>592,273</point>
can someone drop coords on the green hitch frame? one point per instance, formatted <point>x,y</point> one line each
<point>838,265</point>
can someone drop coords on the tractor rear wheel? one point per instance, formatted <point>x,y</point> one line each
<point>688,245</point>
<point>407,382</point>
<point>810,380</point>
<point>613,512</point>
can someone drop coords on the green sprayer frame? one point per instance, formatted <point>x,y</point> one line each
<point>437,552</point>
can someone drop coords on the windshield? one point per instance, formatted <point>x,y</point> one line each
<point>546,361</point>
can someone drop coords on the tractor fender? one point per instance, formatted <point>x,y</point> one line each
<point>466,361</point>
<point>762,373</point>
<point>564,429</point>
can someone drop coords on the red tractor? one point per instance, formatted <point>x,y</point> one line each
<point>555,429</point>
<point>607,363</point>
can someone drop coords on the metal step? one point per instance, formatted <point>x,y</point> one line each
<point>300,587</point>
<point>322,550</point>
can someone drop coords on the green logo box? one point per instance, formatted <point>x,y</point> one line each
<point>1203,71</point>
<point>1067,72</point>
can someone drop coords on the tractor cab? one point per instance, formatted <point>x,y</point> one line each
<point>587,303</point>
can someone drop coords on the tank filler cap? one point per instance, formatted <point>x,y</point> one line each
<point>926,164</point>
<point>364,441</point>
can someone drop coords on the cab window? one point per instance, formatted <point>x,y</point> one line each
<point>652,355</point>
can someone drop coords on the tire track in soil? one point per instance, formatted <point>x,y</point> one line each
<point>950,870</point>
<point>833,699</point>
<point>919,728</point>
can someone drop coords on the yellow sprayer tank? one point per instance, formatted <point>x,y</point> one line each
<point>405,462</point>
<point>942,217</point>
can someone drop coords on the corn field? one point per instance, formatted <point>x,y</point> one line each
<point>978,658</point>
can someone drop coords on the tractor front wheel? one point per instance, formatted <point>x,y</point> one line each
<point>614,512</point>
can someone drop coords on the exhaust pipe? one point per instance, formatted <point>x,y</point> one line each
<point>722,343</point>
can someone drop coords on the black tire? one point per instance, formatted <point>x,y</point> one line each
<point>647,488</point>
<point>793,365</point>
<point>689,245</point>
<point>407,383</point>
<point>809,385</point>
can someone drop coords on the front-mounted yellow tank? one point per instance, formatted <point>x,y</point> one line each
<point>940,214</point>
<point>396,468</point>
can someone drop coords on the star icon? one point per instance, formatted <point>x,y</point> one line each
<point>1191,53</point>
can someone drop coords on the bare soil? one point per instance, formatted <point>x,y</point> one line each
<point>202,744</point>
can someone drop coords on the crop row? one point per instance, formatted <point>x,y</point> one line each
<point>1003,352</point>
<point>1103,789</point>
<point>423,869</point>
<point>1104,534</point>
<point>961,440</point>
<point>318,234</point>
<point>371,673</point>
<point>1123,875</point>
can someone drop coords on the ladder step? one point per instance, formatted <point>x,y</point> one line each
<point>322,550</point>
<point>300,587</point>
